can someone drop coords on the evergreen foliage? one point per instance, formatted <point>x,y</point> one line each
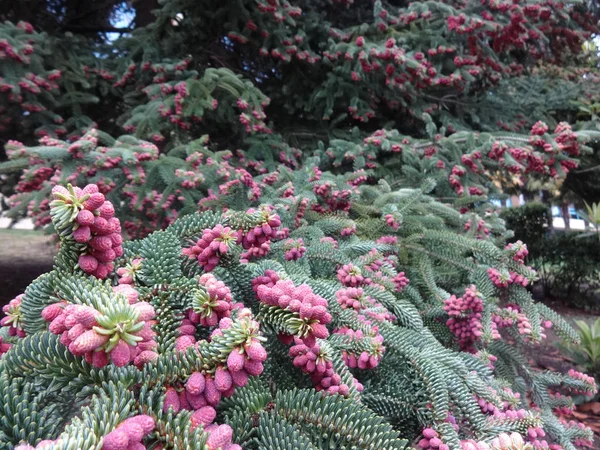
<point>396,333</point>
<point>314,261</point>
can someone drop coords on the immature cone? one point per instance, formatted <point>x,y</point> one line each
<point>87,342</point>
<point>115,440</point>
<point>120,355</point>
<point>203,416</point>
<point>196,383</point>
<point>220,437</point>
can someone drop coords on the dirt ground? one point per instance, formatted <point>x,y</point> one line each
<point>24,255</point>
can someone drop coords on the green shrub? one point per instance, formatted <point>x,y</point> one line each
<point>530,224</point>
<point>587,353</point>
<point>569,267</point>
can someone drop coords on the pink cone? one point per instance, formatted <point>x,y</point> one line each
<point>88,341</point>
<point>236,360</point>
<point>196,383</point>
<point>115,440</point>
<point>204,416</point>
<point>220,437</point>
<point>120,355</point>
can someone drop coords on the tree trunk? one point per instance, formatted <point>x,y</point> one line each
<point>143,12</point>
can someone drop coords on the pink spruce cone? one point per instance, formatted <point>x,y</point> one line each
<point>95,201</point>
<point>223,379</point>
<point>88,263</point>
<point>196,383</point>
<point>256,351</point>
<point>86,316</point>
<point>145,357</point>
<point>146,311</point>
<point>120,355</point>
<point>99,359</point>
<point>82,234</point>
<point>235,361</point>
<point>212,394</point>
<point>115,440</point>
<point>87,342</point>
<point>51,312</point>
<point>171,400</point>
<point>240,378</point>
<point>128,291</point>
<point>85,218</point>
<point>220,437</point>
<point>183,342</point>
<point>196,401</point>
<point>203,416</point>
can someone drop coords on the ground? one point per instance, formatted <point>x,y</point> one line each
<point>25,255</point>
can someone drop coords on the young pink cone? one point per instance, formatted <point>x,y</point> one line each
<point>82,234</point>
<point>99,359</point>
<point>85,217</point>
<point>90,189</point>
<point>76,331</point>
<point>240,378</point>
<point>101,271</point>
<point>256,351</point>
<point>183,401</point>
<point>204,416</point>
<point>223,379</point>
<point>86,316</point>
<point>115,440</point>
<point>133,430</point>
<point>196,401</point>
<point>183,342</point>
<point>196,383</point>
<point>51,312</point>
<point>88,341</point>
<point>146,310</point>
<point>70,320</point>
<point>95,201</point>
<point>187,330</point>
<point>171,400</point>
<point>57,326</point>
<point>253,367</point>
<point>101,243</point>
<point>88,263</point>
<point>146,422</point>
<point>212,394</point>
<point>107,210</point>
<point>147,346</point>
<point>120,355</point>
<point>145,357</point>
<point>236,360</point>
<point>105,256</point>
<point>220,437</point>
<point>65,339</point>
